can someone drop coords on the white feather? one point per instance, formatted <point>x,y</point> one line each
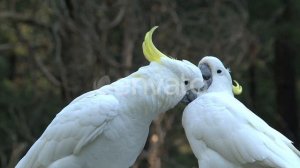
<point>108,127</point>
<point>224,133</point>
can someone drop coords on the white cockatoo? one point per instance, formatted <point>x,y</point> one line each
<point>223,133</point>
<point>108,127</point>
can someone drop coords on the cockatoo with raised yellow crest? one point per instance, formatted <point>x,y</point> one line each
<point>223,133</point>
<point>108,127</point>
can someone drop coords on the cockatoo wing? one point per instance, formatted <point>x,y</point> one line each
<point>75,126</point>
<point>229,128</point>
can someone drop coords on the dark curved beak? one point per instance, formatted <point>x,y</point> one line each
<point>189,97</point>
<point>206,74</point>
<point>205,70</point>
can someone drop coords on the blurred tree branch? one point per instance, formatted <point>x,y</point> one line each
<point>57,49</point>
<point>21,18</point>
<point>4,47</point>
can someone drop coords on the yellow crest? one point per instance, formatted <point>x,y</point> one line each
<point>150,51</point>
<point>237,88</point>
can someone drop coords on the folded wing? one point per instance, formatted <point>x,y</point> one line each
<point>243,138</point>
<point>75,126</point>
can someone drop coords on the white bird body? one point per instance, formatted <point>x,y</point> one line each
<point>108,127</point>
<point>224,133</point>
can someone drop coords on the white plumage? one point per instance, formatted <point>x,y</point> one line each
<point>108,127</point>
<point>223,133</point>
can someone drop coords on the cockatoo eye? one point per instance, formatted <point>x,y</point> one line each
<point>219,71</point>
<point>186,82</point>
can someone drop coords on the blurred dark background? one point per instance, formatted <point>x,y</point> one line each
<point>51,51</point>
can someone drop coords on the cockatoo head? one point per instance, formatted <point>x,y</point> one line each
<point>188,75</point>
<point>216,77</point>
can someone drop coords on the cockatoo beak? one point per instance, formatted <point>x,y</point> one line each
<point>190,96</point>
<point>206,74</point>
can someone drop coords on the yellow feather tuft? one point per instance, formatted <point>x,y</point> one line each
<point>150,51</point>
<point>237,88</point>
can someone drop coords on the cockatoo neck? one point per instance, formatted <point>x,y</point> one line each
<point>168,87</point>
<point>220,84</point>
<point>155,89</point>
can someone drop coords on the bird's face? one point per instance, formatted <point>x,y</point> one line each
<point>214,72</point>
<point>189,75</point>
<point>216,78</point>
